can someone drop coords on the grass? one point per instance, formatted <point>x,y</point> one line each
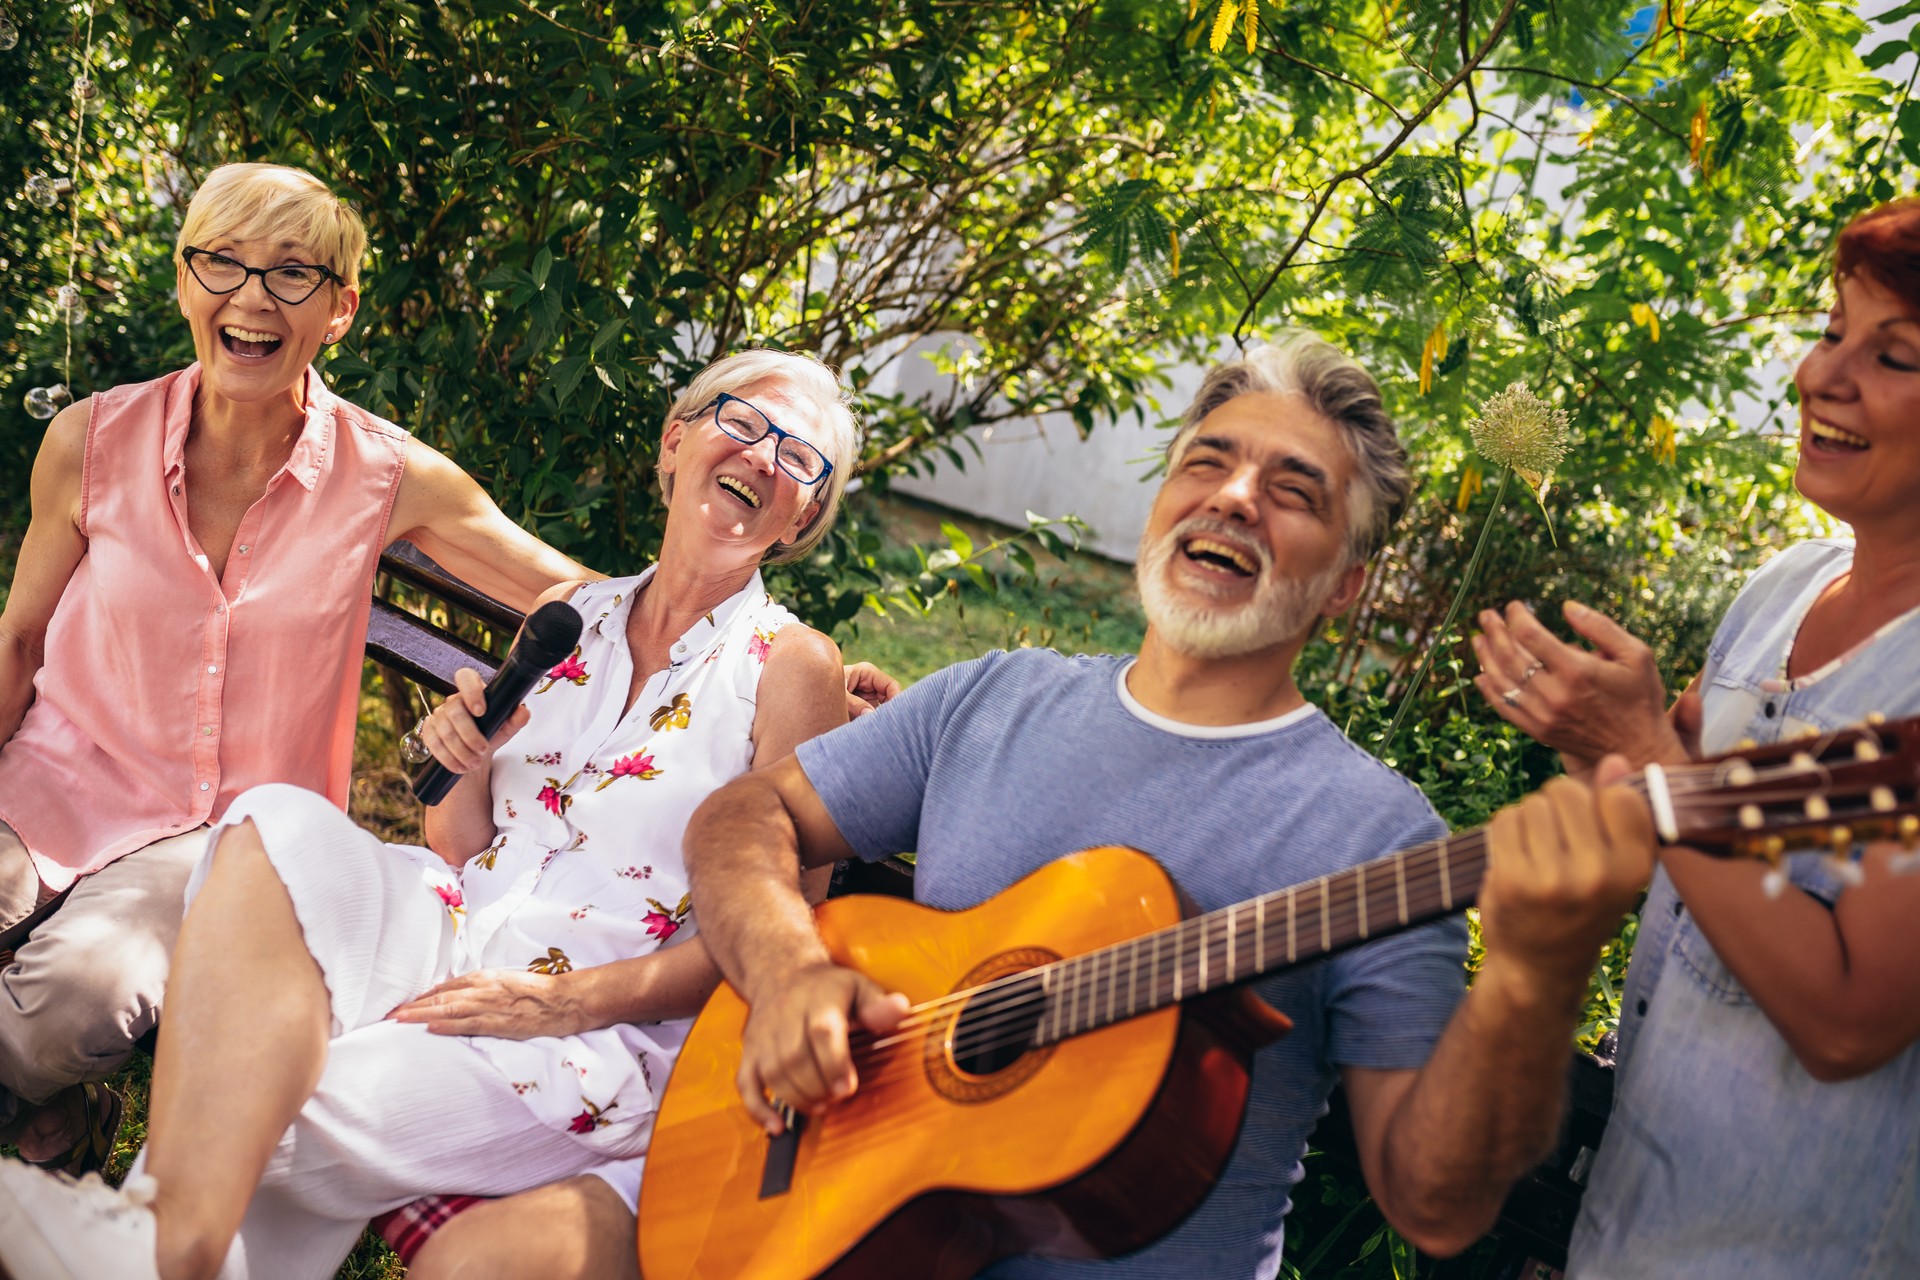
<point>1081,604</point>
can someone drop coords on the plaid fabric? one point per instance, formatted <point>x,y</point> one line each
<point>408,1228</point>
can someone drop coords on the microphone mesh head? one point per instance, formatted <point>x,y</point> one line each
<point>550,633</point>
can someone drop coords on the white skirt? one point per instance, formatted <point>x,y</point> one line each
<point>399,1112</point>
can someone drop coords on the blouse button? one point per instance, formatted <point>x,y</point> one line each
<point>243,548</point>
<point>206,786</point>
<point>211,669</point>
<point>680,648</point>
<point>219,608</point>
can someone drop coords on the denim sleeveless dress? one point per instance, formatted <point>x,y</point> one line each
<point>1724,1159</point>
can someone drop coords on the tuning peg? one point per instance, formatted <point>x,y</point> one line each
<point>1846,871</point>
<point>1866,750</point>
<point>1818,810</point>
<point>1751,817</point>
<point>1740,774</point>
<point>1882,800</point>
<point>1908,832</point>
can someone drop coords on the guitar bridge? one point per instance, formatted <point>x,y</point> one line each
<point>776,1177</point>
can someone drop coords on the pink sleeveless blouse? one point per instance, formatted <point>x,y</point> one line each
<point>168,691</point>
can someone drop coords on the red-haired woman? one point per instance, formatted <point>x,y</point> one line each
<point>1764,1120</point>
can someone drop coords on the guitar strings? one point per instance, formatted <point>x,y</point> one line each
<point>978,1035</point>
<point>989,1032</point>
<point>983,1035</point>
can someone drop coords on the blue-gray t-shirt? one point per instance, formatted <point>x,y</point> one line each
<point>990,769</point>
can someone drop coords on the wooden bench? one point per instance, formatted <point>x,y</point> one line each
<point>1535,1224</point>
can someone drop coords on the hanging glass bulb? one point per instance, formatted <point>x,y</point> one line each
<point>44,402</point>
<point>86,95</point>
<point>69,304</point>
<point>9,34</point>
<point>41,191</point>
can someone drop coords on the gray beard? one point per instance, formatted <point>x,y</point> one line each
<point>1280,610</point>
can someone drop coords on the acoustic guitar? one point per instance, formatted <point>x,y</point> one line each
<point>1074,1069</point>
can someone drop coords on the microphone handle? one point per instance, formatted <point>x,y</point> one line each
<point>504,692</point>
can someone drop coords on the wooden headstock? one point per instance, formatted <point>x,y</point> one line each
<point>1825,791</point>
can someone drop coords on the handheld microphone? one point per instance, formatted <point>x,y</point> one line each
<point>550,633</point>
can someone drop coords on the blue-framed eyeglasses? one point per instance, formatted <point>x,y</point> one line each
<point>741,420</point>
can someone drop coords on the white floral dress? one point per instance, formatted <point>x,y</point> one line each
<point>590,806</point>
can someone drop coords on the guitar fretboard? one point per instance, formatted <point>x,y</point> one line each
<point>1248,939</point>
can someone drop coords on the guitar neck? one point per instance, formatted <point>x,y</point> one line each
<point>1249,939</point>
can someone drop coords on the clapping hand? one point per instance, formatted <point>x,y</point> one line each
<point>1584,703</point>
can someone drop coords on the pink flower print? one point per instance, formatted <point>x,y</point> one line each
<point>592,1118</point>
<point>635,873</point>
<point>760,645</point>
<point>450,894</point>
<point>579,913</point>
<point>524,1087</point>
<point>570,669</point>
<point>550,758</point>
<point>661,922</point>
<point>638,765</point>
<point>510,811</point>
<point>554,796</point>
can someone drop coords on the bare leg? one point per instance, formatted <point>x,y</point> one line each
<point>243,1047</point>
<point>579,1229</point>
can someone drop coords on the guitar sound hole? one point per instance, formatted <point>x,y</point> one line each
<point>997,1027</point>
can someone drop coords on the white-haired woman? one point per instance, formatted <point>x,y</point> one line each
<point>354,1024</point>
<point>186,621</point>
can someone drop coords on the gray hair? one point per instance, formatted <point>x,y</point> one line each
<point>1338,389</point>
<point>815,382</point>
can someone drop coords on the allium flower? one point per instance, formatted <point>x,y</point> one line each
<point>1518,429</point>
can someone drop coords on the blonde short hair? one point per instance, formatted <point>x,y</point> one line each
<point>275,202</point>
<point>812,381</point>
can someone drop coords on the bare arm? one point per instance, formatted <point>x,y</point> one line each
<point>1836,984</point>
<point>1442,1145</point>
<point>49,554</point>
<point>443,512</point>
<point>745,849</point>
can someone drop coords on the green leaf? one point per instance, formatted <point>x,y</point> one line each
<point>957,538</point>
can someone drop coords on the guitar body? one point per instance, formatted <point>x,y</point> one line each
<point>1090,1146</point>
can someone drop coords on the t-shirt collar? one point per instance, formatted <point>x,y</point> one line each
<point>1185,730</point>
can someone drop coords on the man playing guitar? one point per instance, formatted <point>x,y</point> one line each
<point>1284,479</point>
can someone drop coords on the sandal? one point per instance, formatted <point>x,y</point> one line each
<point>101,1109</point>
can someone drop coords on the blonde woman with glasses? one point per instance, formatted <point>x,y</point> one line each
<point>186,621</point>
